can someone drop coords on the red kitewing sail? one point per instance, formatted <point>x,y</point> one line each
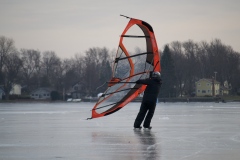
<point>135,59</point>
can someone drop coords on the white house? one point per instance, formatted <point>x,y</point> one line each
<point>41,93</point>
<point>76,90</point>
<point>224,90</point>
<point>16,89</point>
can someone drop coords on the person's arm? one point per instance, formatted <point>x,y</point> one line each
<point>144,81</point>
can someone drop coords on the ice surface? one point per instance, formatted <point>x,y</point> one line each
<point>181,131</point>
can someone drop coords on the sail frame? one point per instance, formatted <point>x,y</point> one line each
<point>152,58</point>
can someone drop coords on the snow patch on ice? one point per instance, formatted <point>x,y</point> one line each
<point>164,118</point>
<point>236,138</point>
<point>151,148</point>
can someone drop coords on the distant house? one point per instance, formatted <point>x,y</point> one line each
<point>224,90</point>
<point>41,93</point>
<point>204,87</point>
<point>16,89</point>
<point>76,91</point>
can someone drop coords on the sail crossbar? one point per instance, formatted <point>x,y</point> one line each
<point>103,95</point>
<point>133,36</point>
<point>135,55</point>
<point>106,105</point>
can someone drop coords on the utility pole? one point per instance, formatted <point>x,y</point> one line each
<point>215,75</point>
<point>213,83</point>
<point>213,87</point>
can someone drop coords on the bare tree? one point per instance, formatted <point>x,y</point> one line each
<point>12,66</point>
<point>204,62</point>
<point>190,51</point>
<point>65,77</point>
<point>6,47</point>
<point>180,66</point>
<point>97,69</point>
<point>50,64</point>
<point>78,66</point>
<point>233,67</point>
<point>31,65</point>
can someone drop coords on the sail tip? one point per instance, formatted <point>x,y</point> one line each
<point>125,16</point>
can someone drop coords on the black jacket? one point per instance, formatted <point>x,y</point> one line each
<point>152,90</point>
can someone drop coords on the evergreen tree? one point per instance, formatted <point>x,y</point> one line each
<point>168,88</point>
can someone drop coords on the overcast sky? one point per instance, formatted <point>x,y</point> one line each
<point>73,26</point>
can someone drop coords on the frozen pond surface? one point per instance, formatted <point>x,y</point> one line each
<point>181,131</point>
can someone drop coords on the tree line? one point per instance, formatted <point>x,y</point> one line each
<point>33,69</point>
<point>183,63</point>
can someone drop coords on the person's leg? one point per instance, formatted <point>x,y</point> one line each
<point>141,114</point>
<point>149,116</point>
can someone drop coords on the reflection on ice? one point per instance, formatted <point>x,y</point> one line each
<point>149,146</point>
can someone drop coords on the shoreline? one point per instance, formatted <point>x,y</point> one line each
<point>138,99</point>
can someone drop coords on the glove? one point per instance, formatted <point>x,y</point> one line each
<point>138,81</point>
<point>161,82</point>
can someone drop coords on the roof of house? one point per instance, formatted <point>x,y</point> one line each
<point>77,83</point>
<point>209,80</point>
<point>225,88</point>
<point>45,89</point>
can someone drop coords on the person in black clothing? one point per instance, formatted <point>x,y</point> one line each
<point>149,100</point>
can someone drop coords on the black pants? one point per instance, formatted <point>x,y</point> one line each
<point>145,107</point>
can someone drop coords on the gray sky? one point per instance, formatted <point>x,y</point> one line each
<point>73,26</point>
